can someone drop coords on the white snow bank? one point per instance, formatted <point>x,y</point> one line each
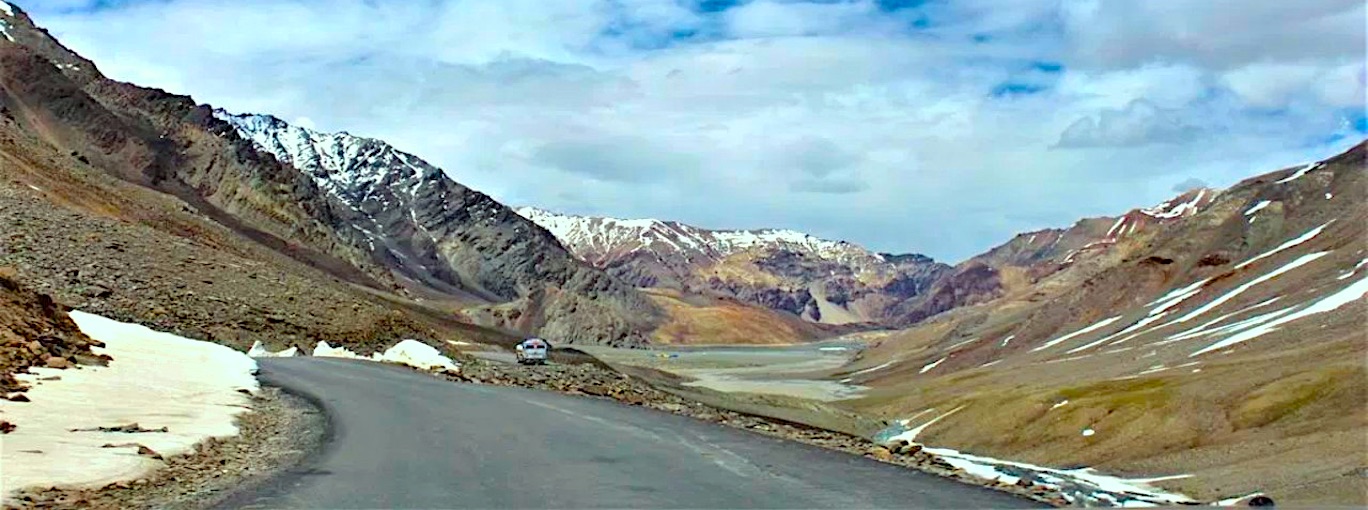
<point>1350,294</point>
<point>327,351</point>
<point>156,380</point>
<point>407,352</point>
<point>5,7</point>
<point>1290,243</point>
<point>418,355</point>
<point>1101,324</point>
<point>259,351</point>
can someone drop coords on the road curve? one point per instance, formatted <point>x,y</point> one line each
<point>400,439</point>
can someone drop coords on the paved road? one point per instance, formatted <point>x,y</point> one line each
<point>399,439</point>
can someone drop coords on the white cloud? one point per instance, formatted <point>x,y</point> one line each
<point>1139,123</point>
<point>833,117</point>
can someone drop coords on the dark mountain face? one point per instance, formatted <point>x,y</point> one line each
<point>371,215</point>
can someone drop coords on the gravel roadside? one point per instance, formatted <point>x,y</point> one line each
<point>279,432</point>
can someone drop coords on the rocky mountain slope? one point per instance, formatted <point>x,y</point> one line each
<point>836,282</point>
<point>1220,335</point>
<point>391,223</point>
<point>822,281</point>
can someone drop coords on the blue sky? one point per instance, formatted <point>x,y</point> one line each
<point>932,126</point>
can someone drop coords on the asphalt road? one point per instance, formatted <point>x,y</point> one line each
<point>400,439</point>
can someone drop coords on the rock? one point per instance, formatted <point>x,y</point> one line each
<point>6,427</point>
<point>908,448</point>
<point>57,362</point>
<point>148,452</point>
<point>17,397</point>
<point>880,453</point>
<point>96,291</point>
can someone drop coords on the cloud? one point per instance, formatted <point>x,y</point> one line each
<point>862,120</point>
<point>1139,123</point>
<point>627,160</point>
<point>1189,184</point>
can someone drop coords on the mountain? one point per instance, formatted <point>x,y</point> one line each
<point>836,282</point>
<point>353,208</point>
<point>819,280</point>
<point>1220,334</point>
<point>430,232</point>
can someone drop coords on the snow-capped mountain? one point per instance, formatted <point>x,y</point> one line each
<point>818,279</point>
<point>599,239</point>
<point>430,231</point>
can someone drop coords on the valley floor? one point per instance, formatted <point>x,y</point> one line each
<point>800,383</point>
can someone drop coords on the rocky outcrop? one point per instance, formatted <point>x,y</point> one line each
<point>36,332</point>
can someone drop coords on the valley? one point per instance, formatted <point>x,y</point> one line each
<point>329,320</point>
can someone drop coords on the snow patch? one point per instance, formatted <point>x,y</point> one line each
<point>1350,294</point>
<point>1298,240</point>
<point>1008,339</point>
<point>1161,307</point>
<point>1059,404</point>
<point>927,367</point>
<point>1084,483</point>
<point>1258,207</point>
<point>1356,269</point>
<point>155,379</point>
<point>259,351</point>
<point>872,369</point>
<point>418,355</point>
<point>7,9</point>
<point>911,434</point>
<point>1300,172</point>
<point>1300,261</point>
<point>324,350</point>
<point>1099,325</point>
<point>1089,432</point>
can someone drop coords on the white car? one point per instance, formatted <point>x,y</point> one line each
<point>532,351</point>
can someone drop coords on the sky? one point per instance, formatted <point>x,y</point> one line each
<point>938,127</point>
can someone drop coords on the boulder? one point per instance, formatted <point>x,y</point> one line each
<point>879,453</point>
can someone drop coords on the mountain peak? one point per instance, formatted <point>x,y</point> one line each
<point>596,238</point>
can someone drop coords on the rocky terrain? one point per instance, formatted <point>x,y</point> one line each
<point>36,332</point>
<point>390,223</point>
<point>1220,335</point>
